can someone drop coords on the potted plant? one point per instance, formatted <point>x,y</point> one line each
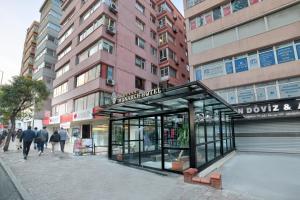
<point>182,141</point>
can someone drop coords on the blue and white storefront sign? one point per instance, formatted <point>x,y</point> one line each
<point>285,54</point>
<point>253,61</point>
<point>213,70</point>
<point>241,65</point>
<point>266,58</point>
<point>229,67</point>
<point>290,90</point>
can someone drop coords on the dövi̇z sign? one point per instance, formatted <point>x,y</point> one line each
<point>284,106</point>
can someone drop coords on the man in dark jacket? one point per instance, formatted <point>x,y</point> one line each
<point>27,137</point>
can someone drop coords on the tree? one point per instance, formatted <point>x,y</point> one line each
<point>18,98</point>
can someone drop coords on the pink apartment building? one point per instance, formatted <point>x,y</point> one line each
<point>113,47</point>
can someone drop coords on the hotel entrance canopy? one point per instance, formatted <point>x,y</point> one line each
<point>175,98</point>
<point>171,129</point>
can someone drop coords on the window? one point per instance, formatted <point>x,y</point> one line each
<point>140,62</point>
<point>109,74</point>
<point>239,4</point>
<point>140,24</point>
<point>139,7</point>
<point>60,109</point>
<point>241,64</point>
<point>153,51</point>
<point>164,7</point>
<point>163,54</point>
<point>102,44</point>
<point>64,52</point>
<point>87,102</point>
<point>153,34</point>
<point>65,35</point>
<point>165,21</point>
<point>163,38</point>
<point>140,42</point>
<point>139,83</point>
<point>154,85</point>
<point>152,18</point>
<point>217,13</point>
<point>152,4</point>
<point>226,9</point>
<point>246,94</point>
<point>289,88</point>
<point>164,72</point>
<point>103,20</point>
<point>285,53</point>
<point>63,88</point>
<point>53,26</point>
<point>266,57</point>
<point>90,11</point>
<point>63,70</point>
<point>153,69</point>
<point>88,76</point>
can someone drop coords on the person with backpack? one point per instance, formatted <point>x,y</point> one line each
<point>54,139</point>
<point>27,137</point>
<point>42,137</point>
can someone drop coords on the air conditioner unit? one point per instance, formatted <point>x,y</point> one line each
<point>175,17</point>
<point>111,30</point>
<point>113,8</point>
<point>174,29</point>
<point>110,82</point>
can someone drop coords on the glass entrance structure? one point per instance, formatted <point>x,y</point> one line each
<point>172,129</point>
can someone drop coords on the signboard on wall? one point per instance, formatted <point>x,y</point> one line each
<point>280,108</point>
<point>54,120</point>
<point>241,65</point>
<point>213,70</point>
<point>266,58</point>
<point>83,115</point>
<point>285,54</point>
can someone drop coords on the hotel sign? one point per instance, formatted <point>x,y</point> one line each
<point>270,109</point>
<point>134,96</point>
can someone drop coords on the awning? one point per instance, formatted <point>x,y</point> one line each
<point>173,98</point>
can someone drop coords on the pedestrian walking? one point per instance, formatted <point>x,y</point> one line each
<point>13,136</point>
<point>2,137</point>
<point>18,135</point>
<point>54,139</point>
<point>63,137</point>
<point>42,137</point>
<point>35,141</point>
<point>27,137</point>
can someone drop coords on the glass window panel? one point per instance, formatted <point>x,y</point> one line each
<point>239,4</point>
<point>261,94</point>
<point>200,155</point>
<point>241,64</point>
<point>285,54</point>
<point>272,92</point>
<point>210,152</point>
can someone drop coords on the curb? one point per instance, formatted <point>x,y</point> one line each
<point>21,190</point>
<point>218,164</point>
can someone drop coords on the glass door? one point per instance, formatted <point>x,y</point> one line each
<point>132,141</point>
<point>176,142</point>
<point>150,142</point>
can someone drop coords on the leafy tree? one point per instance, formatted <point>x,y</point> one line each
<point>18,98</point>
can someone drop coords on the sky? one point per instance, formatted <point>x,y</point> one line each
<point>16,16</point>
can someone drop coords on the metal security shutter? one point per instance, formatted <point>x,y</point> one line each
<point>268,135</point>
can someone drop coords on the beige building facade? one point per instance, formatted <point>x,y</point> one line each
<point>248,51</point>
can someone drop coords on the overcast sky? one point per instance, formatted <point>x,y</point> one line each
<point>16,16</point>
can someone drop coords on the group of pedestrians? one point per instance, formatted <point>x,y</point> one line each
<point>40,139</point>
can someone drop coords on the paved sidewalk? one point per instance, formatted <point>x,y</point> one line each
<point>264,175</point>
<point>63,177</point>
